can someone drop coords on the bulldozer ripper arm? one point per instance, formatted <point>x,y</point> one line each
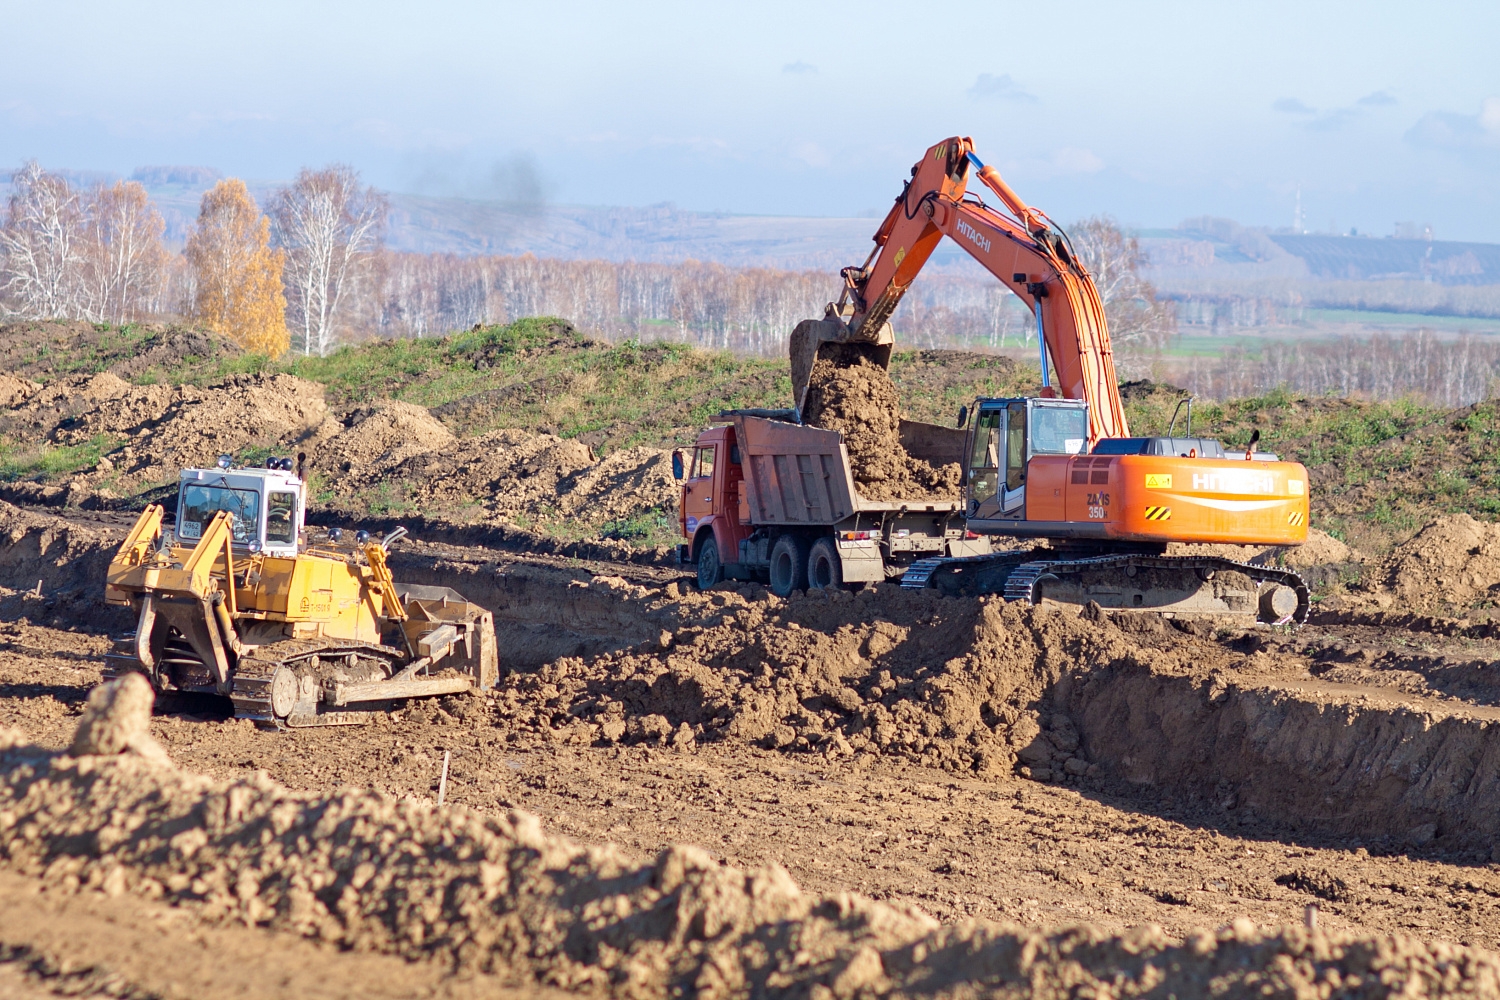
<point>394,610</point>
<point>1021,249</point>
<point>139,545</point>
<point>196,575</point>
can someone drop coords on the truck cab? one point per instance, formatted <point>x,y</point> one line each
<point>711,473</point>
<point>266,505</point>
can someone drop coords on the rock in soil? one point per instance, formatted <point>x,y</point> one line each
<point>117,719</point>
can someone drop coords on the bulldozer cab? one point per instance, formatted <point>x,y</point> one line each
<point>1004,435</point>
<point>265,507</point>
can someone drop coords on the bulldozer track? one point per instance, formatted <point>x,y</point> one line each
<point>253,678</point>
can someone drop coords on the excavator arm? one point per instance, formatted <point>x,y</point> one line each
<point>1019,246</point>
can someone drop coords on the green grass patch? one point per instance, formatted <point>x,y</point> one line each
<point>47,461</point>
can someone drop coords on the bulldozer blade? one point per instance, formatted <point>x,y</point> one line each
<point>812,337</point>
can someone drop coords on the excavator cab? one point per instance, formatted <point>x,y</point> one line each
<point>1004,435</point>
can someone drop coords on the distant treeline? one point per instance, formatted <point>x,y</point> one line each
<point>748,310</point>
<point>313,272</point>
<point>1451,373</point>
<point>1282,301</point>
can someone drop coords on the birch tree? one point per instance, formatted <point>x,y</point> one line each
<point>41,246</point>
<point>236,272</point>
<point>331,230</point>
<point>1130,304</point>
<point>124,262</point>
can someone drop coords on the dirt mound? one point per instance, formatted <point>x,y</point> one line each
<point>162,429</point>
<point>623,484</point>
<point>1320,550</point>
<point>66,560</point>
<point>172,349</point>
<point>847,392</point>
<point>366,872</point>
<point>381,436</point>
<point>1454,562</point>
<point>509,475</point>
<point>61,554</point>
<point>956,684</point>
<point>15,390</point>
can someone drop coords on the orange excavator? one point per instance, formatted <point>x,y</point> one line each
<point>1063,467</point>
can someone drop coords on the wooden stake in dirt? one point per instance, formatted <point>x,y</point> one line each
<point>1310,916</point>
<point>443,781</point>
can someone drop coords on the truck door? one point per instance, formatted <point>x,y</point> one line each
<point>698,489</point>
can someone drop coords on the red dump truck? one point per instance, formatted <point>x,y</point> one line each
<point>768,499</point>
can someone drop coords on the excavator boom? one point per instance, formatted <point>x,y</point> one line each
<point>1018,245</point>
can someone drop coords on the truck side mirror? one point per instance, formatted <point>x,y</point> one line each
<point>677,469</point>
<point>963,416</point>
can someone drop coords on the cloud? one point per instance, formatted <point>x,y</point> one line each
<point>1450,130</point>
<point>1071,160</point>
<point>812,154</point>
<point>1333,120</point>
<point>800,68</point>
<point>1292,106</point>
<point>1379,99</point>
<point>1002,87</point>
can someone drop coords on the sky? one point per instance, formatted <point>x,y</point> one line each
<point>1151,112</point>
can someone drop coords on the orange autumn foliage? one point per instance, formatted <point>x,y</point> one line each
<point>237,273</point>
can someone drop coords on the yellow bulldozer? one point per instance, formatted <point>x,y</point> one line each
<point>233,600</point>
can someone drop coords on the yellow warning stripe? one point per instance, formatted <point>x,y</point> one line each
<point>1158,513</point>
<point>1294,518</point>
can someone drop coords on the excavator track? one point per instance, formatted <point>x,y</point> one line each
<point>1171,585</point>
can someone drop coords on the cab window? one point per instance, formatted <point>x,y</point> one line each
<point>984,462</point>
<point>1059,430</point>
<point>198,504</point>
<point>281,518</point>
<point>1015,447</point>
<point>703,463</point>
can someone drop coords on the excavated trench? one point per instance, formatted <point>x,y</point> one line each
<point>977,686</point>
<point>1309,756</point>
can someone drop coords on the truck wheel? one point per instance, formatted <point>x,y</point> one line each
<point>788,565</point>
<point>710,570</point>
<point>825,570</point>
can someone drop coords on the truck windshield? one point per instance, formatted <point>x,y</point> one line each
<point>1057,430</point>
<point>199,504</point>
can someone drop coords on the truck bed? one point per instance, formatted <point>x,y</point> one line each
<point>797,475</point>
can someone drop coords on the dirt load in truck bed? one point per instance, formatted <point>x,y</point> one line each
<point>849,393</point>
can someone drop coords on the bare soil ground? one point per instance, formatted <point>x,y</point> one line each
<point>1033,769</point>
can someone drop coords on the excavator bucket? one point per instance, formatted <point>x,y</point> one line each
<point>815,338</point>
